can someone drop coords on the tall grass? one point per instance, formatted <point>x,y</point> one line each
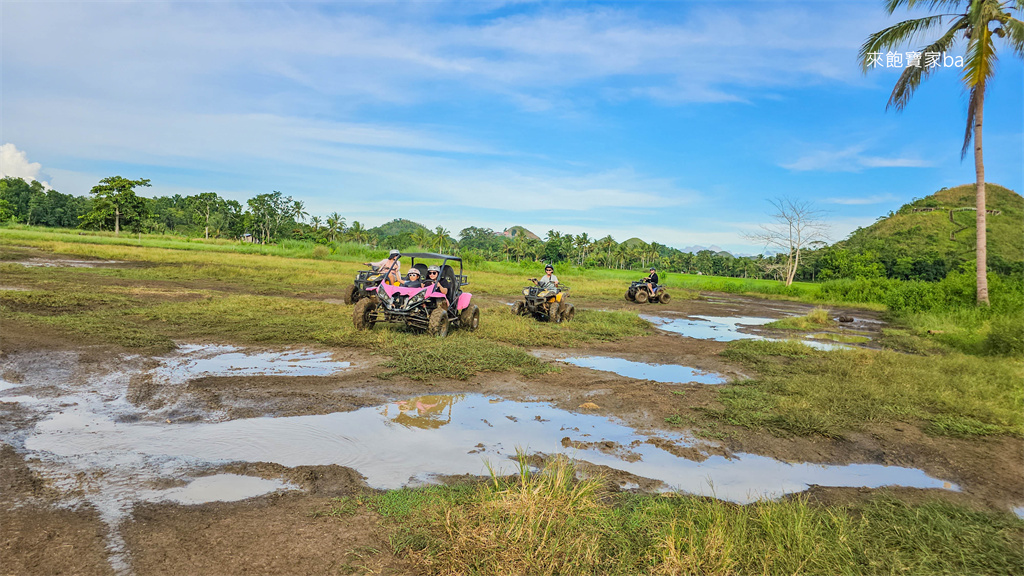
<point>550,522</point>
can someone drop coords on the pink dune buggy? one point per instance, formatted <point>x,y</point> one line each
<point>423,309</point>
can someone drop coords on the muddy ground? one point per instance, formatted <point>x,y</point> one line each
<point>52,527</point>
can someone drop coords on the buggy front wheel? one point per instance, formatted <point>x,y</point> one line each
<point>518,308</point>
<point>664,297</point>
<point>438,324</point>
<point>642,296</point>
<point>362,314</point>
<point>554,314</point>
<point>568,312</point>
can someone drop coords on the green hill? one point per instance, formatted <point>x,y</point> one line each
<point>396,227</point>
<point>513,231</point>
<point>942,226</point>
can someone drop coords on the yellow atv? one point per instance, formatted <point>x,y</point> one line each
<point>548,303</point>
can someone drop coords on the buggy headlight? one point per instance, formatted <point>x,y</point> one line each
<point>417,298</point>
<point>526,291</point>
<point>383,295</point>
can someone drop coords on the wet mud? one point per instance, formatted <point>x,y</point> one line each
<point>216,459</point>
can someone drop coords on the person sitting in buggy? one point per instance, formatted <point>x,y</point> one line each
<point>548,281</point>
<point>433,274</point>
<point>390,267</point>
<point>652,280</point>
<point>414,279</point>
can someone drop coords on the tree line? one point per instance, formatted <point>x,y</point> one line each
<point>273,217</point>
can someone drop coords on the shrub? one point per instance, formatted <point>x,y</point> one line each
<point>1005,337</point>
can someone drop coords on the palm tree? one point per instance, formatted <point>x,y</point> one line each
<point>315,223</point>
<point>440,240</point>
<point>335,225</point>
<point>357,233</point>
<point>422,237</point>
<point>299,210</point>
<point>977,21</point>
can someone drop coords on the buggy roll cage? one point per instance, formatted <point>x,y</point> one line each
<point>457,279</point>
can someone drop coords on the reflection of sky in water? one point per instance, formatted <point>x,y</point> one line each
<point>728,328</point>
<point>391,454</point>
<point>194,361</point>
<point>1019,511</point>
<point>669,373</point>
<point>221,488</point>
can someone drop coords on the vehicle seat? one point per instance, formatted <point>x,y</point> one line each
<point>447,276</point>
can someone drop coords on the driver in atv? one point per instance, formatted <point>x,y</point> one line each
<point>652,281</point>
<point>390,267</point>
<point>548,281</point>
<point>433,274</point>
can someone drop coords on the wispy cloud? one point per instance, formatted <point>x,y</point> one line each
<point>851,159</point>
<point>862,200</point>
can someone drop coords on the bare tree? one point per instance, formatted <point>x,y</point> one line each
<point>795,224</point>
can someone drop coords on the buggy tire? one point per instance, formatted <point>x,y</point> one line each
<point>438,325</point>
<point>350,295</point>
<point>554,313</point>
<point>629,296</point>
<point>469,318</point>
<point>642,296</point>
<point>518,308</point>
<point>568,312</point>
<point>664,297</point>
<point>362,314</point>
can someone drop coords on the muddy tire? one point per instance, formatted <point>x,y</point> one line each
<point>568,312</point>
<point>362,314</point>
<point>642,296</point>
<point>438,325</point>
<point>629,296</point>
<point>664,297</point>
<point>350,295</point>
<point>469,318</point>
<point>518,308</point>
<point>554,313</point>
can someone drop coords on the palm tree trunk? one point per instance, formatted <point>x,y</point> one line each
<point>117,221</point>
<point>979,170</point>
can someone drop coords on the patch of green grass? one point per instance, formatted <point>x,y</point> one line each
<point>814,320</point>
<point>844,338</point>
<point>553,523</point>
<point>806,392</point>
<point>459,356</point>
<point>587,326</point>
<point>342,507</point>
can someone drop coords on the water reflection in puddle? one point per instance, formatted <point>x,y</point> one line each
<point>403,442</point>
<point>1019,511</point>
<point>222,488</point>
<point>193,361</point>
<point>668,373</point>
<point>729,328</point>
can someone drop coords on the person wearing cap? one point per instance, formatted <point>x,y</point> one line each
<point>414,279</point>
<point>652,280</point>
<point>434,277</point>
<point>390,267</point>
<point>548,280</point>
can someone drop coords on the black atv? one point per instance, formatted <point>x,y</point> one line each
<point>361,287</point>
<point>639,293</point>
<point>549,304</point>
<point>423,309</point>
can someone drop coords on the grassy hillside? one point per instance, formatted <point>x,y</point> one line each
<point>924,226</point>
<point>396,227</point>
<point>514,231</point>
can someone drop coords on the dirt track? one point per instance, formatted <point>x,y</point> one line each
<point>51,526</point>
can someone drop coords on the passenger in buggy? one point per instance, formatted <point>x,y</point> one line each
<point>414,279</point>
<point>433,274</point>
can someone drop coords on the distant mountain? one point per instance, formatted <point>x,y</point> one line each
<point>943,224</point>
<point>513,231</point>
<point>694,249</point>
<point>396,227</point>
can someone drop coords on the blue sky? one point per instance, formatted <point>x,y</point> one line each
<point>671,121</point>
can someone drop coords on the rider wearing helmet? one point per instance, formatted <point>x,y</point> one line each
<point>414,279</point>
<point>390,267</point>
<point>434,277</point>
<point>548,281</point>
<point>652,281</point>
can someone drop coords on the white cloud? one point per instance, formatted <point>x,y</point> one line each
<point>14,162</point>
<point>850,159</point>
<point>862,200</point>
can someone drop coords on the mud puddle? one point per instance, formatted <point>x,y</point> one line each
<point>196,360</point>
<point>730,328</point>
<point>666,373</point>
